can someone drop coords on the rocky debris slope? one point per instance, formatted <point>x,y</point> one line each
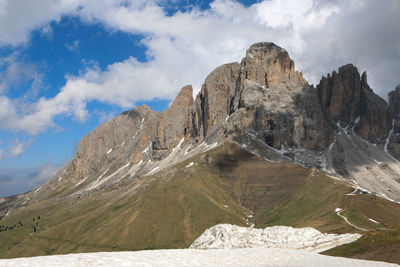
<point>195,257</point>
<point>226,236</point>
<point>263,104</point>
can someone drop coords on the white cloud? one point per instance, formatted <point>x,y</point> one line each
<point>73,46</point>
<point>14,72</point>
<point>16,150</point>
<point>184,47</point>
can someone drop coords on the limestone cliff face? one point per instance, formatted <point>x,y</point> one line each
<point>394,139</point>
<point>394,102</point>
<point>347,100</point>
<point>339,95</point>
<point>274,100</point>
<point>174,124</point>
<point>213,103</point>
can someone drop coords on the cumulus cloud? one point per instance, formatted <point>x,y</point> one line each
<point>184,47</point>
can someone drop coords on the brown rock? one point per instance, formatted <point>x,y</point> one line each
<point>213,103</point>
<point>174,124</point>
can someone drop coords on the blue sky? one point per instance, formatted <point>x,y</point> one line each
<point>68,65</point>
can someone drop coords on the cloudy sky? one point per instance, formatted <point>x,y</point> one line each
<point>68,65</point>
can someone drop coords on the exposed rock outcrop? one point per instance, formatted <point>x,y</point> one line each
<point>394,102</point>
<point>393,142</point>
<point>274,101</point>
<point>213,103</point>
<point>174,124</point>
<point>347,100</point>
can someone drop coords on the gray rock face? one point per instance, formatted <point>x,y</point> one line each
<point>393,145</point>
<point>174,124</point>
<point>214,101</point>
<point>347,99</point>
<point>394,102</point>
<point>276,102</point>
<point>340,95</point>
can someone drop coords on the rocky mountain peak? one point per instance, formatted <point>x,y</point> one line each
<point>269,65</point>
<point>394,101</point>
<point>339,95</point>
<point>347,100</point>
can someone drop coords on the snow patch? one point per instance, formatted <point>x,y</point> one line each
<point>385,148</point>
<point>189,165</point>
<point>178,146</point>
<point>332,145</point>
<point>209,147</point>
<point>372,220</point>
<point>338,209</point>
<point>187,149</point>
<point>226,236</point>
<point>146,149</point>
<point>195,257</point>
<point>81,181</point>
<point>109,151</point>
<point>153,170</point>
<point>37,189</point>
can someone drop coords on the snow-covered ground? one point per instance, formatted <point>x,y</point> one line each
<point>226,236</point>
<point>195,257</point>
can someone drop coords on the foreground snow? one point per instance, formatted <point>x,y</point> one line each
<point>193,257</point>
<point>233,236</point>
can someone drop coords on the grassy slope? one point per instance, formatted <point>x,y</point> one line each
<point>172,208</point>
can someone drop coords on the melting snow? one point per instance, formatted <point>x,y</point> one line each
<point>153,170</point>
<point>147,148</point>
<point>332,145</point>
<point>37,189</point>
<point>373,221</point>
<point>178,146</point>
<point>190,165</point>
<point>187,149</point>
<point>338,210</point>
<point>385,148</point>
<point>81,181</point>
<point>226,236</point>
<point>209,147</point>
<point>195,257</point>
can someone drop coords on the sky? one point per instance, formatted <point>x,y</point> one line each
<point>67,66</point>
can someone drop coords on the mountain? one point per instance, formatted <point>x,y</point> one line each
<point>257,145</point>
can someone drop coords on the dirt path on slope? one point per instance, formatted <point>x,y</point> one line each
<point>349,223</point>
